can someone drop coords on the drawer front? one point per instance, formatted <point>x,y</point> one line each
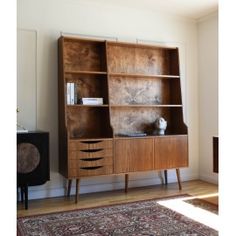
<point>95,153</point>
<point>93,162</point>
<point>85,145</point>
<point>90,162</point>
<point>76,155</point>
<point>93,171</point>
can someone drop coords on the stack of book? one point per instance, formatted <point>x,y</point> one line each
<point>71,93</point>
<point>91,101</point>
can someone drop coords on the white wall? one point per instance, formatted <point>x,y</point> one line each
<point>50,17</point>
<point>208,93</point>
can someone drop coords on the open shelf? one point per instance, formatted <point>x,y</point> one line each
<point>129,119</point>
<point>146,105</point>
<point>94,122</point>
<point>133,45</point>
<point>82,55</point>
<point>86,72</point>
<point>82,105</point>
<point>116,136</point>
<point>89,139</point>
<point>140,60</point>
<point>144,75</point>
<point>89,85</point>
<point>140,92</point>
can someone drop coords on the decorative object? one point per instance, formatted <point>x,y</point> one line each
<point>161,125</point>
<point>146,217</point>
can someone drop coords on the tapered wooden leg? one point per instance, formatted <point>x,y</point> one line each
<point>178,177</point>
<point>161,177</point>
<point>166,177</point>
<point>126,182</point>
<point>69,187</point>
<point>77,191</point>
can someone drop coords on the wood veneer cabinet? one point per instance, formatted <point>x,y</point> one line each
<point>138,84</point>
<point>133,155</point>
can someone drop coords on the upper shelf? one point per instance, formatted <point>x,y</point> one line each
<point>85,105</point>
<point>144,75</point>
<point>80,72</point>
<point>147,105</point>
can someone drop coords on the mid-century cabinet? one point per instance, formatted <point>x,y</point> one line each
<point>138,84</point>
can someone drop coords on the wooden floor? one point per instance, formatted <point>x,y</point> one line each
<point>195,188</point>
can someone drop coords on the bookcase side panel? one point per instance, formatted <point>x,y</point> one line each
<point>62,125</point>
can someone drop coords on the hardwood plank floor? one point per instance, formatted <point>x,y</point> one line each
<point>196,188</point>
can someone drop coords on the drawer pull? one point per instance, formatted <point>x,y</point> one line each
<point>90,142</point>
<point>91,168</point>
<point>92,150</point>
<point>91,159</point>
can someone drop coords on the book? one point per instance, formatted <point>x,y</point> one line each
<point>75,94</point>
<point>91,101</point>
<point>71,93</point>
<point>68,85</point>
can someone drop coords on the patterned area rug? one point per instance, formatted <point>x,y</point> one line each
<point>137,218</point>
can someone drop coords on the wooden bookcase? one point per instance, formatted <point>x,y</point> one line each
<point>138,84</point>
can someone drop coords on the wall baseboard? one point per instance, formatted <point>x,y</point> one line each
<point>211,178</point>
<point>39,193</point>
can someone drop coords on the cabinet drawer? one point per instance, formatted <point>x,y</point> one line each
<point>91,144</point>
<point>93,171</point>
<point>95,153</point>
<point>92,162</point>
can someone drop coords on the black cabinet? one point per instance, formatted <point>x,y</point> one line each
<point>32,160</point>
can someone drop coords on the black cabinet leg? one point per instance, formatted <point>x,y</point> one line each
<point>69,187</point>
<point>77,191</point>
<point>22,194</point>
<point>26,196</point>
<point>126,182</point>
<point>166,177</point>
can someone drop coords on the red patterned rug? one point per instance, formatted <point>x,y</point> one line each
<point>147,217</point>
